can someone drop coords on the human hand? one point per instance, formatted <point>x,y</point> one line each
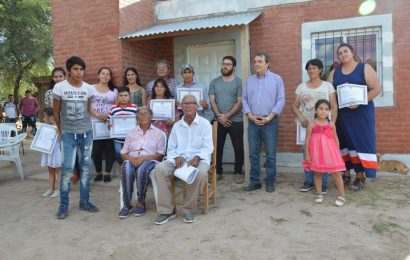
<point>194,162</point>
<point>179,161</point>
<point>223,119</point>
<point>307,158</point>
<point>260,121</point>
<point>304,123</point>
<point>177,103</point>
<point>204,104</point>
<point>170,122</point>
<point>137,162</point>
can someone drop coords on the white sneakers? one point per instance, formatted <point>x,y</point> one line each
<point>52,194</point>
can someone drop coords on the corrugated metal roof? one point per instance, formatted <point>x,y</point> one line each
<point>203,23</point>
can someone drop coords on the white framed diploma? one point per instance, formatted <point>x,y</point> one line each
<point>351,94</point>
<point>196,92</point>
<point>162,109</point>
<point>300,134</point>
<point>45,139</point>
<point>100,130</point>
<point>121,125</point>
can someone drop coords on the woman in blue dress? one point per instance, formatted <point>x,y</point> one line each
<point>356,124</point>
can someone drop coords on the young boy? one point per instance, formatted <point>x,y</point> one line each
<point>124,107</point>
<point>10,109</point>
<point>71,102</point>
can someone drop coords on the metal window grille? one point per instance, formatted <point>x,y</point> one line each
<point>367,43</point>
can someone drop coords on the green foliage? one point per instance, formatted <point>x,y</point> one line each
<point>25,43</point>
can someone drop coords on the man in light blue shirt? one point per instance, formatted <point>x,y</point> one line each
<point>263,100</point>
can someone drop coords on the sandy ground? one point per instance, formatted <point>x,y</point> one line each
<point>375,223</point>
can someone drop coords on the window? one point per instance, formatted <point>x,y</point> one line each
<point>372,38</point>
<point>365,41</point>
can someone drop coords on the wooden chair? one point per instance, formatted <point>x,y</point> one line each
<point>207,193</point>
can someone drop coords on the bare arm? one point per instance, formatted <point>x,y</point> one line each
<point>297,113</point>
<point>335,134</point>
<point>57,110</point>
<point>235,108</point>
<point>307,142</point>
<point>372,82</point>
<point>333,106</point>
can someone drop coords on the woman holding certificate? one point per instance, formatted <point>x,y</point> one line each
<point>355,123</point>
<point>163,106</point>
<point>132,80</point>
<point>307,94</point>
<point>105,94</point>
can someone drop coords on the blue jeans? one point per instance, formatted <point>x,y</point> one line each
<point>266,134</point>
<point>70,143</point>
<point>117,150</point>
<point>29,120</point>
<point>309,175</point>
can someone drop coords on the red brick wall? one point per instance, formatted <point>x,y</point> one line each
<point>88,29</point>
<point>136,15</point>
<point>278,32</point>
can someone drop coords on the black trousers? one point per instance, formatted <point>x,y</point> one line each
<point>100,147</point>
<point>235,131</point>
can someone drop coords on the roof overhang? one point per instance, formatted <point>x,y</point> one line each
<point>193,26</point>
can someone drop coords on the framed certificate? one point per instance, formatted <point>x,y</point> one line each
<point>121,125</point>
<point>45,139</point>
<point>197,92</point>
<point>351,94</point>
<point>162,109</point>
<point>300,134</point>
<point>100,130</point>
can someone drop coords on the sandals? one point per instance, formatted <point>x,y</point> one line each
<point>340,201</point>
<point>358,184</point>
<point>318,199</point>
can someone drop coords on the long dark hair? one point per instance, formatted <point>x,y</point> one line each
<point>136,73</point>
<point>111,84</point>
<point>49,111</point>
<point>52,82</point>
<point>167,93</point>
<point>322,101</point>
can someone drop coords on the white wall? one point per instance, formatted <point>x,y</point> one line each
<point>172,9</point>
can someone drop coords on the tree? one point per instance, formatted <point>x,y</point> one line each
<point>25,40</point>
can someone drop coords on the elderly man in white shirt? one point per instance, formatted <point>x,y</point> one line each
<point>190,142</point>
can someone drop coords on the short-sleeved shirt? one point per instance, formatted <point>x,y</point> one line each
<point>309,97</point>
<point>226,95</point>
<point>103,102</point>
<point>75,117</point>
<point>138,144</point>
<point>10,109</point>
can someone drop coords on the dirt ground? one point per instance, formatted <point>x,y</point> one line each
<point>375,223</point>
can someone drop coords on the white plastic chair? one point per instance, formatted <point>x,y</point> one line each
<point>10,146</point>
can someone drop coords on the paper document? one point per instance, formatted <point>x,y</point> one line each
<point>186,173</point>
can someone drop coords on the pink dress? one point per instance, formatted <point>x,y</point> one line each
<point>325,156</point>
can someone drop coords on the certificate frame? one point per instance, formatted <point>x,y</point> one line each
<point>162,109</point>
<point>100,130</point>
<point>300,134</point>
<point>121,125</point>
<point>356,95</point>
<point>45,138</point>
<point>197,92</point>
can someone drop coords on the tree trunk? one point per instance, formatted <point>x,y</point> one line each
<point>17,82</point>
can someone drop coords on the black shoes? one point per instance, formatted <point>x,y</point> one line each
<point>252,187</point>
<point>270,188</point>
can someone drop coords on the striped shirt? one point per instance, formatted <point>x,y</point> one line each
<point>128,110</point>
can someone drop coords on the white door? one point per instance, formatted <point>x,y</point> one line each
<point>207,59</point>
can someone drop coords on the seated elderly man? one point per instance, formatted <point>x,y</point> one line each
<point>190,142</point>
<point>144,146</point>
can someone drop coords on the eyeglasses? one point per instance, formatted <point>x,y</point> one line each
<point>189,104</point>
<point>226,64</point>
<point>143,114</point>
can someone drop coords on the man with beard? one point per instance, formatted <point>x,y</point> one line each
<point>225,93</point>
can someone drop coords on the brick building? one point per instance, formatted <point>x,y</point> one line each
<point>121,33</point>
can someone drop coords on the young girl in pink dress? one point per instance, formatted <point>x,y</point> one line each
<point>323,154</point>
